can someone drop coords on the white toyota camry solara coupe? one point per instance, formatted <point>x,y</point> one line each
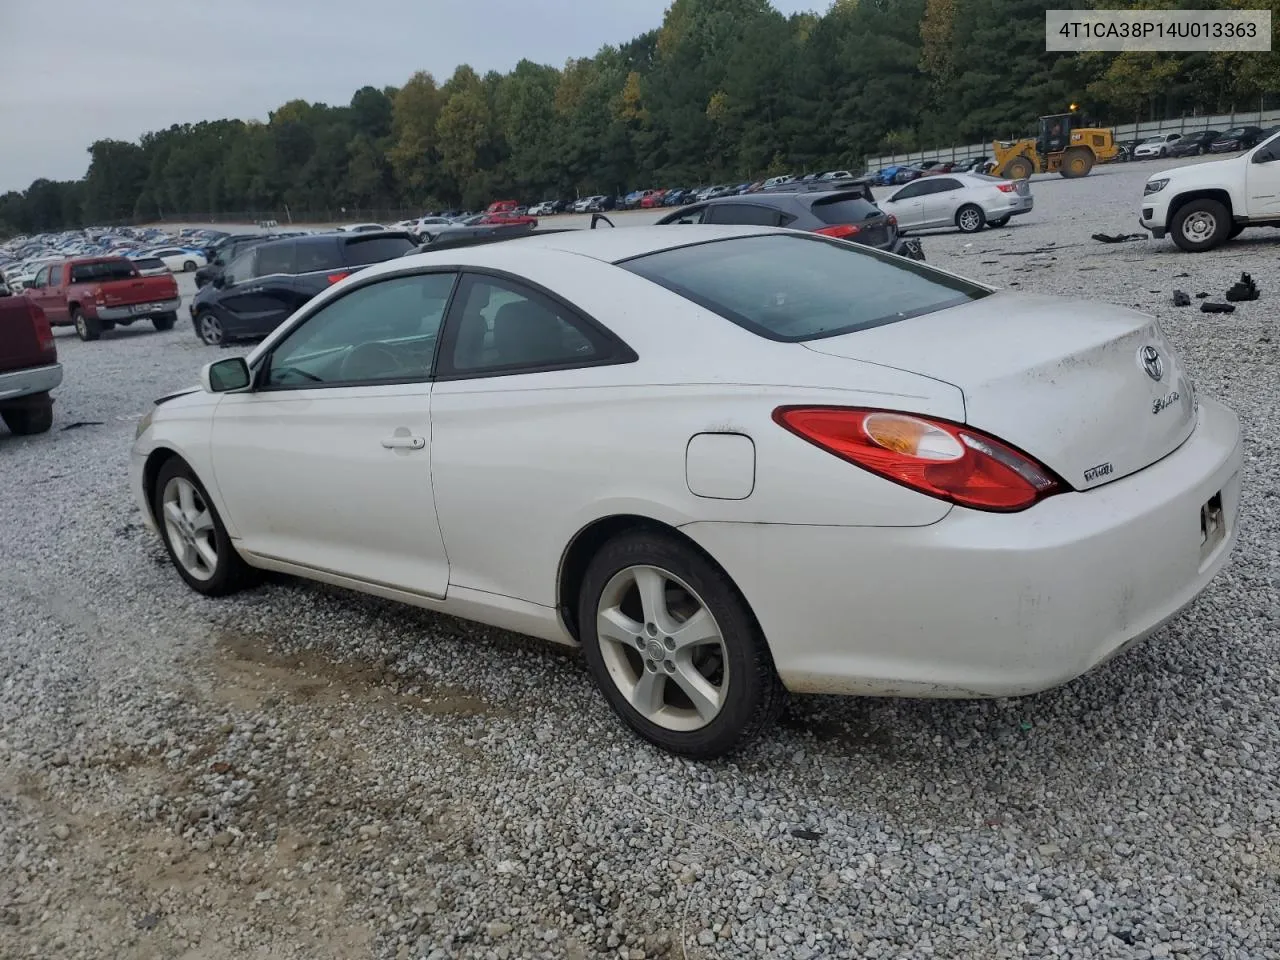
<point>725,461</point>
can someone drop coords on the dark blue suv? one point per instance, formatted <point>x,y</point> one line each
<point>265,284</point>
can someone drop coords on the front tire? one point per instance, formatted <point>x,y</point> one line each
<point>88,328</point>
<point>164,321</point>
<point>193,534</point>
<point>30,415</point>
<point>1201,225</point>
<point>970,218</point>
<point>674,647</point>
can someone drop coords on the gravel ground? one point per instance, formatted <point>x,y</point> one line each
<point>303,772</point>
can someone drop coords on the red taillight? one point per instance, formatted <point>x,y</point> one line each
<point>337,277</point>
<point>1007,187</point>
<point>893,221</point>
<point>44,333</point>
<point>945,460</point>
<point>842,230</point>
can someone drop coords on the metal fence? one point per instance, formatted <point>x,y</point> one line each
<point>283,217</point>
<point>1124,132</point>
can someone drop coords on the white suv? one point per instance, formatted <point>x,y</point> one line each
<point>1204,205</point>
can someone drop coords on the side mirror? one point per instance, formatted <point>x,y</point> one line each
<point>225,376</point>
<point>1267,155</point>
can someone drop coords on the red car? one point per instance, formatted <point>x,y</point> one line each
<point>652,198</point>
<point>503,206</point>
<point>509,219</point>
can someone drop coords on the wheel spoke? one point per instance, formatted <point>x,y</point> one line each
<point>173,513</point>
<point>653,597</point>
<point>614,625</point>
<point>187,498</point>
<point>187,555</point>
<point>203,522</point>
<point>698,629</point>
<point>204,551</point>
<point>648,695</point>
<point>705,697</point>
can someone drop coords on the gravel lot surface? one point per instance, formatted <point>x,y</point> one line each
<point>303,772</point>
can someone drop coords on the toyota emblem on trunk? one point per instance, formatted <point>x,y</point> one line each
<point>1151,362</point>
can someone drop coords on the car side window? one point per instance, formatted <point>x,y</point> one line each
<point>744,213</point>
<point>945,184</point>
<point>241,268</point>
<point>40,279</point>
<point>384,332</point>
<point>276,258</point>
<point>910,191</point>
<point>499,326</point>
<point>54,277</point>
<point>692,215</point>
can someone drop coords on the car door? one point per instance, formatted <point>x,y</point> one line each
<point>54,296</point>
<point>37,290</point>
<point>326,463</point>
<point>240,304</point>
<point>907,204</point>
<point>943,196</point>
<point>1262,179</point>
<point>513,366</point>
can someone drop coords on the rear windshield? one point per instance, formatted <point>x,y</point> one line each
<point>845,209</point>
<point>103,270</point>
<point>796,287</point>
<point>376,249</point>
<point>1235,132</point>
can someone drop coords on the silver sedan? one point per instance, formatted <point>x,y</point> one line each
<point>967,201</point>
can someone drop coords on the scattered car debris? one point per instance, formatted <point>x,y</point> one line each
<point>1118,237</point>
<point>1210,307</point>
<point>801,834</point>
<point>1180,299</point>
<point>1244,289</point>
<point>1201,295</point>
<point>82,423</point>
<point>1176,275</point>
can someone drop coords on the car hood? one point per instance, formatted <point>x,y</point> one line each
<point>1212,172</point>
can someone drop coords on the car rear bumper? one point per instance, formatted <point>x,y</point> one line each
<point>22,383</point>
<point>982,604</point>
<point>139,311</point>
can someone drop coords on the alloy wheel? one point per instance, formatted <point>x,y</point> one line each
<point>188,524</point>
<point>1200,226</point>
<point>210,329</point>
<point>663,648</point>
<point>969,221</point>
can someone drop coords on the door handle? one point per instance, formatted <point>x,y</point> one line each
<point>404,442</point>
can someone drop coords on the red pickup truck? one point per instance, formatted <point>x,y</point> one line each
<point>29,366</point>
<point>97,293</point>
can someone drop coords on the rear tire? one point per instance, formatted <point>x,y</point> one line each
<point>209,328</point>
<point>164,321</point>
<point>1200,225</point>
<point>30,415</point>
<point>970,218</point>
<point>88,328</point>
<point>998,221</point>
<point>643,667</point>
<point>193,534</point>
<point>188,266</point>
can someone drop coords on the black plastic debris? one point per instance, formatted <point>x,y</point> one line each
<point>801,834</point>
<point>1210,307</point>
<point>1176,275</point>
<point>1244,289</point>
<point>1118,237</point>
<point>1180,299</point>
<point>1201,296</point>
<point>83,423</point>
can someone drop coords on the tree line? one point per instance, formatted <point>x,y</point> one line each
<point>722,90</point>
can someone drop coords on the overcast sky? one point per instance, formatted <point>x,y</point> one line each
<point>76,71</point>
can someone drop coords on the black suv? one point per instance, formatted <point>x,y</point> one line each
<point>265,284</point>
<point>847,214</point>
<point>230,247</point>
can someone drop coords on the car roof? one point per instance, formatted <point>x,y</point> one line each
<point>603,244</point>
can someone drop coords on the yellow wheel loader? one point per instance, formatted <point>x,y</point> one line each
<point>1064,146</point>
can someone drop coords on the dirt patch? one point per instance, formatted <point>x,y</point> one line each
<point>250,674</point>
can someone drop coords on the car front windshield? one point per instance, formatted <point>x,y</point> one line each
<point>1233,133</point>
<point>795,287</point>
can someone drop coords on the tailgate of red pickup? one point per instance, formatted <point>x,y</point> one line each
<point>20,345</point>
<point>135,290</point>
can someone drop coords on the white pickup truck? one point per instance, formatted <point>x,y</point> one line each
<point>1203,205</point>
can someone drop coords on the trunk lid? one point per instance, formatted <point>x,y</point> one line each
<point>1072,383</point>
